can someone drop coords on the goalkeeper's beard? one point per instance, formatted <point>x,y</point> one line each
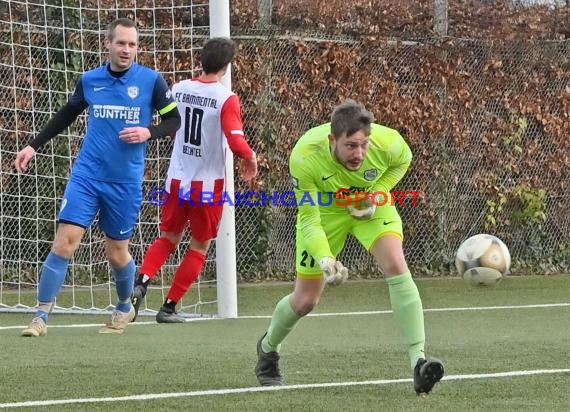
<point>350,164</point>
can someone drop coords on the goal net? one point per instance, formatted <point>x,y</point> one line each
<point>45,47</point>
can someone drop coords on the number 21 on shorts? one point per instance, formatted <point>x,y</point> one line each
<point>304,256</point>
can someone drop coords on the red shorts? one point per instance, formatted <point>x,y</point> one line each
<point>201,214</point>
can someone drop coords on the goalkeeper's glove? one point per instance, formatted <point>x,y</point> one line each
<point>365,209</point>
<point>335,273</point>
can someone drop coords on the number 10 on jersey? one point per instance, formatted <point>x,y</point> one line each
<point>193,126</point>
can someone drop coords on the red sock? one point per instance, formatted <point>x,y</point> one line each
<point>156,255</point>
<point>186,274</point>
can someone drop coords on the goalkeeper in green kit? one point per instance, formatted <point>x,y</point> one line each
<point>343,159</point>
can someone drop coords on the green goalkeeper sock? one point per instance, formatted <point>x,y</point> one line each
<point>283,321</point>
<point>408,312</point>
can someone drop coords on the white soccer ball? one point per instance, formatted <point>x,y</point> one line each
<point>483,260</point>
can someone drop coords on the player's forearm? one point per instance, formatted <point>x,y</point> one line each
<point>58,123</point>
<point>169,124</point>
<point>239,146</point>
<point>315,239</point>
<point>232,125</point>
<point>391,177</point>
<point>401,160</point>
<point>316,242</point>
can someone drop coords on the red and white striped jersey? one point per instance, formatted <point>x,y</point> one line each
<point>211,121</point>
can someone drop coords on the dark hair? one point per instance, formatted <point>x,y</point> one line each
<point>119,22</point>
<point>217,53</point>
<point>350,117</point>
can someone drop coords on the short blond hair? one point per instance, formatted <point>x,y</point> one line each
<point>119,22</point>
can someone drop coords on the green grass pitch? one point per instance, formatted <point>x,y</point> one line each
<point>342,359</point>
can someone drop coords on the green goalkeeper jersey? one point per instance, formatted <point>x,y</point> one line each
<point>317,175</point>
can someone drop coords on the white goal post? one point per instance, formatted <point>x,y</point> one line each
<point>44,49</point>
<point>226,273</point>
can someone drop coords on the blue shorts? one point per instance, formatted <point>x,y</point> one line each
<point>118,205</point>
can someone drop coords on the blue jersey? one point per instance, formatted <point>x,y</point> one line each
<point>115,103</point>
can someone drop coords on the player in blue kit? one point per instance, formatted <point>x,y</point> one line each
<point>108,173</point>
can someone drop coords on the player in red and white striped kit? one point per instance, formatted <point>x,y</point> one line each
<point>211,122</point>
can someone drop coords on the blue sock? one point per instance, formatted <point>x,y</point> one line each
<point>52,277</point>
<point>42,314</point>
<point>125,280</point>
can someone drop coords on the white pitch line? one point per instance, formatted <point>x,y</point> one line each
<point>77,325</point>
<point>214,392</point>
<point>371,312</point>
<point>464,309</point>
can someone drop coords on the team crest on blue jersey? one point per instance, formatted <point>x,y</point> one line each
<point>371,174</point>
<point>133,91</point>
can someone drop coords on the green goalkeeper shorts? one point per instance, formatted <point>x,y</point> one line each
<point>337,224</point>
